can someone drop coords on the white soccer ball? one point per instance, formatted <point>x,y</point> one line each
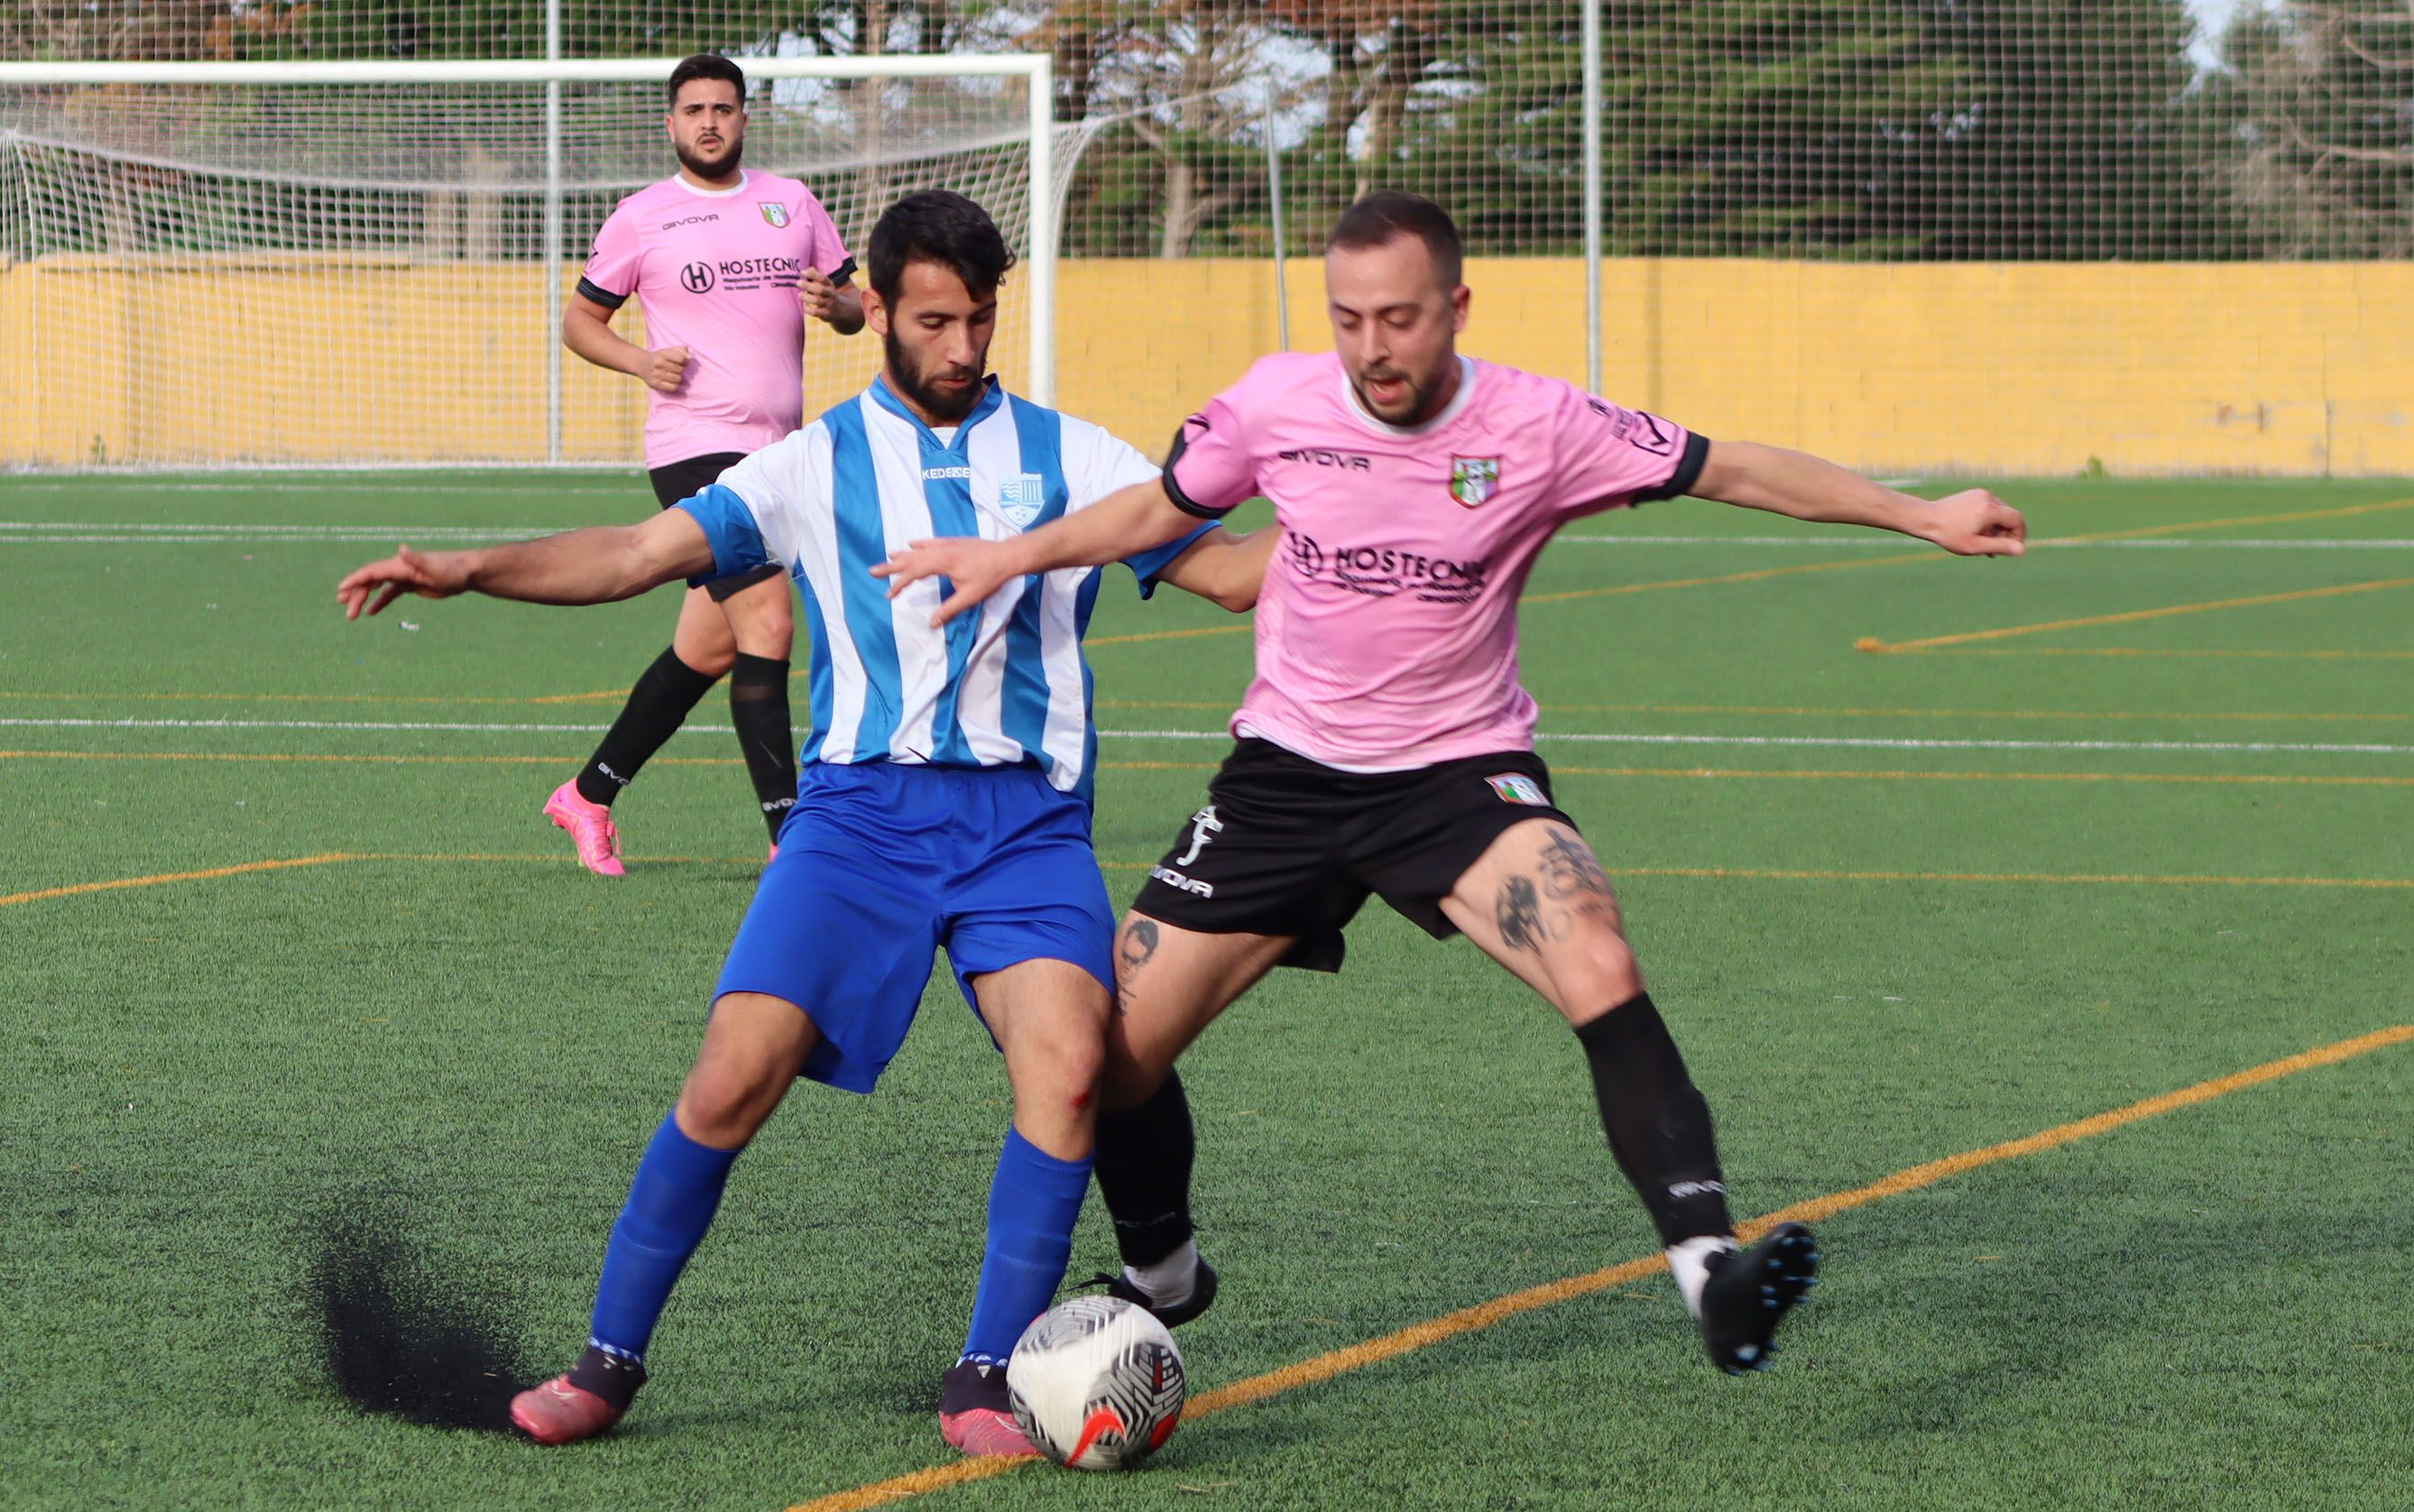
<point>1096,1383</point>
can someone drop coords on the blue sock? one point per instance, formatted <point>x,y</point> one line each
<point>671,1202</point>
<point>1032,1206</point>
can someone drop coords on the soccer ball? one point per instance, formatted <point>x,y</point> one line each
<point>1096,1383</point>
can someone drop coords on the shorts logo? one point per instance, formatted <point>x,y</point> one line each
<point>1516,787</point>
<point>1021,497</point>
<point>1473,480</point>
<point>773,211</point>
<point>1183,884</point>
<point>1204,827</point>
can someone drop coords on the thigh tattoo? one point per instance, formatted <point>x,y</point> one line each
<point>1572,882</point>
<point>1137,949</point>
<point>1520,917</point>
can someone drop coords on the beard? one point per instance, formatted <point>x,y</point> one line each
<point>710,168</point>
<point>910,383</point>
<point>1413,407</point>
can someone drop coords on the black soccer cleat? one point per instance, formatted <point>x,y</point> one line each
<point>1750,1291</point>
<point>1171,1314</point>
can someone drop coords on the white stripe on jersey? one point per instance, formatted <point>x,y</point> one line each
<point>1024,668</point>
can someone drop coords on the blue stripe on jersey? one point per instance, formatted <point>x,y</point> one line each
<point>819,683</point>
<point>950,497</point>
<point>1039,435</point>
<point>863,542</point>
<point>729,526</point>
<point>1082,604</point>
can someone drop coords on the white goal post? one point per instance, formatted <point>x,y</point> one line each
<point>136,196</point>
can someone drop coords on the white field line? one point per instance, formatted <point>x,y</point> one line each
<point>1855,743</point>
<point>203,532</point>
<point>1848,541</point>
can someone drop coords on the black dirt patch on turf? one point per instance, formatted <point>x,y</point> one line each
<point>401,1338</point>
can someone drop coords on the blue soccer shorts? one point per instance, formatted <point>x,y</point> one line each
<point>881,864</point>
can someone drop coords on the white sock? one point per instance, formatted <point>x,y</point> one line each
<point>1169,1280</point>
<point>1690,1260</point>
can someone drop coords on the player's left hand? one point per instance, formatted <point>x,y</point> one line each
<point>972,569</point>
<point>1975,523</point>
<point>815,292</point>
<point>430,575</point>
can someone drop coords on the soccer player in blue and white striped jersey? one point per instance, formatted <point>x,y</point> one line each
<point>942,797</point>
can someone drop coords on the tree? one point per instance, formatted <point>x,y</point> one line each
<point>2324,100</point>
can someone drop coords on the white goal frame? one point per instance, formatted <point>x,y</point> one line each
<point>1036,68</point>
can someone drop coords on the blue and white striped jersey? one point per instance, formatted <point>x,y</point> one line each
<point>1004,686</point>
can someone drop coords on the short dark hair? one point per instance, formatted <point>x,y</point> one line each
<point>707,65</point>
<point>1387,214</point>
<point>937,226</point>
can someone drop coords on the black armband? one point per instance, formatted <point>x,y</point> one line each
<point>1183,501</point>
<point>588,288</point>
<point>1688,471</point>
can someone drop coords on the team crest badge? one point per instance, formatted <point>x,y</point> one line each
<point>1020,498</point>
<point>1516,787</point>
<point>1474,479</point>
<point>773,211</point>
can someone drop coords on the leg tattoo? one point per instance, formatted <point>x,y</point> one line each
<point>1520,917</point>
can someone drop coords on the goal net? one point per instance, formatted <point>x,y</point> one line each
<point>364,264</point>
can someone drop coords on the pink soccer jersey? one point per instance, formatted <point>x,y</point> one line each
<point>717,273</point>
<point>1387,630</point>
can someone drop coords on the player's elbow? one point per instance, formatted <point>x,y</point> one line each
<point>1238,592</point>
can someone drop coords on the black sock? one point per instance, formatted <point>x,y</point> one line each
<point>655,708</point>
<point>1658,1122</point>
<point>758,706</point>
<point>613,1377</point>
<point>1143,1169</point>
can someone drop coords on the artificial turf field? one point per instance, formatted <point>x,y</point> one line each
<point>287,943</point>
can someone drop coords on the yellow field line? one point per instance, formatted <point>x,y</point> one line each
<point>1883,647</point>
<point>2141,650</point>
<point>1847,712</point>
<point>2342,512</point>
<point>2187,779</point>
<point>1241,629</point>
<point>1698,774</point>
<point>1485,1315</point>
<point>2094,878</point>
<point>70,892</point>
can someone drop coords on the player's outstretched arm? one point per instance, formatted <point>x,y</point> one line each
<point>596,566</point>
<point>1126,521</point>
<point>1972,523</point>
<point>1224,568</point>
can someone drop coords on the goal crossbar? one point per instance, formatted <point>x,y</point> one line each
<point>1037,71</point>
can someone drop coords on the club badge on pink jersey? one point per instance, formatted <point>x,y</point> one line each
<point>773,211</point>
<point>1474,479</point>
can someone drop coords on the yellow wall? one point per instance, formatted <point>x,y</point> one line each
<point>1996,368</point>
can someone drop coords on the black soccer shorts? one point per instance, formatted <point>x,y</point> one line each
<point>1287,846</point>
<point>675,481</point>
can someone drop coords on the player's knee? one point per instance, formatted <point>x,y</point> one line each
<point>724,1105</point>
<point>1601,969</point>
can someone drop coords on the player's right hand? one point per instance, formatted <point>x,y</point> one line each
<point>969,570</point>
<point>1975,523</point>
<point>665,369</point>
<point>430,575</point>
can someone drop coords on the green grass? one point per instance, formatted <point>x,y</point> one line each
<point>2202,1309</point>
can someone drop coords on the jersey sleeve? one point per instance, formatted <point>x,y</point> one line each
<point>1107,464</point>
<point>1608,456</point>
<point>611,274</point>
<point>1210,467</point>
<point>829,252</point>
<point>750,513</point>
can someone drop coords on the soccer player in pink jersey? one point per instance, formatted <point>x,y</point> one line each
<point>1386,745</point>
<point>727,262</point>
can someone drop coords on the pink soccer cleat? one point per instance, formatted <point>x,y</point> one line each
<point>560,1412</point>
<point>974,1414</point>
<point>590,829</point>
